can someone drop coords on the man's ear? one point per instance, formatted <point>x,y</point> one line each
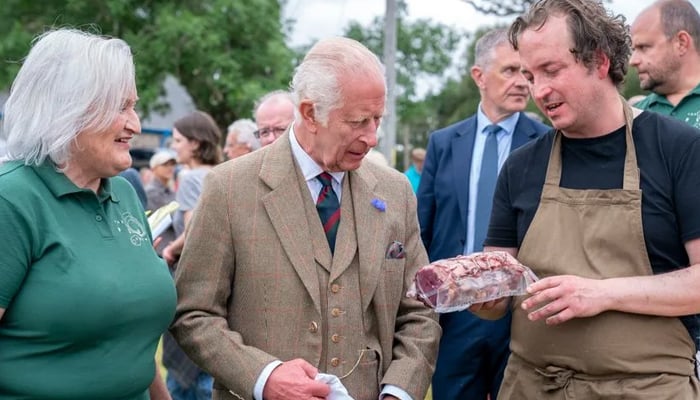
<point>308,115</point>
<point>682,42</point>
<point>602,64</point>
<point>477,74</point>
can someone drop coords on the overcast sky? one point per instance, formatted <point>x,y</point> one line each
<point>317,19</point>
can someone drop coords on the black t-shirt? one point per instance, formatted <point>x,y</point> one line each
<point>668,156</point>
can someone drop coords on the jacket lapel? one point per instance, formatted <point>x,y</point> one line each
<point>462,149</point>
<point>370,226</point>
<point>282,204</point>
<point>524,132</point>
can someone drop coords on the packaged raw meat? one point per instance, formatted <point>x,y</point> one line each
<point>454,284</point>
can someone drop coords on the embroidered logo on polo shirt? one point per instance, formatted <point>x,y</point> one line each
<point>137,232</point>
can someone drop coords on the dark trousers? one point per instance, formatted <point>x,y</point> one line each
<point>472,357</point>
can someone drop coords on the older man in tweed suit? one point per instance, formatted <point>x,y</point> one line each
<point>267,298</point>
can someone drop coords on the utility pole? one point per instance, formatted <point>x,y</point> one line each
<point>389,124</point>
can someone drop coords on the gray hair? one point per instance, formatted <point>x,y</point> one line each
<point>680,15</point>
<point>317,77</point>
<point>244,129</point>
<point>71,81</point>
<point>485,46</point>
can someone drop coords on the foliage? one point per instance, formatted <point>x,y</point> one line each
<point>425,51</point>
<point>225,52</point>
<point>503,8</point>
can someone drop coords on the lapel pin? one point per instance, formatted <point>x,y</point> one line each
<point>379,204</point>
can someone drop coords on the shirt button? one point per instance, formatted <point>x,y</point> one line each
<point>313,327</point>
<point>335,362</point>
<point>335,288</point>
<point>335,338</point>
<point>98,218</point>
<point>335,312</point>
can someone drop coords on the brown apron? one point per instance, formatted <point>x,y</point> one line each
<point>595,234</point>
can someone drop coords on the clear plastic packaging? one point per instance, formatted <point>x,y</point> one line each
<point>454,284</point>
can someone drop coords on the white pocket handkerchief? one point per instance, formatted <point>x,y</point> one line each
<point>338,391</point>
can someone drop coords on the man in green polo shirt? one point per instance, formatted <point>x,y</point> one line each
<point>666,41</point>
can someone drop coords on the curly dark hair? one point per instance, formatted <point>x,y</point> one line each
<point>201,127</point>
<point>592,28</point>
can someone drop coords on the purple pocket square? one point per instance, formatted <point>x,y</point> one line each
<point>395,251</point>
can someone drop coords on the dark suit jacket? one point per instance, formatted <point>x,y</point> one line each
<point>256,281</point>
<point>443,193</point>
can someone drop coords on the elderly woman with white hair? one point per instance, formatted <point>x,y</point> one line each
<point>83,296</point>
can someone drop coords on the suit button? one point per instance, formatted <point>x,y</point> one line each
<point>335,288</point>
<point>313,327</point>
<point>335,312</point>
<point>335,338</point>
<point>335,362</point>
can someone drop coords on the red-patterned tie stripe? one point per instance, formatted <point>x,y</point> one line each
<point>328,208</point>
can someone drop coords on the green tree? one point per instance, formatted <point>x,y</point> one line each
<point>425,52</point>
<point>503,8</point>
<point>226,53</point>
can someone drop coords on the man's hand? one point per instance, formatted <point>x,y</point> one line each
<point>491,310</point>
<point>557,299</point>
<point>294,380</point>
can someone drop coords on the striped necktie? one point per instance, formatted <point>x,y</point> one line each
<point>486,186</point>
<point>328,208</point>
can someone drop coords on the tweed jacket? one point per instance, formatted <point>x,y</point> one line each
<point>257,282</point>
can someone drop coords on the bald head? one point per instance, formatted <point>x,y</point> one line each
<point>665,38</point>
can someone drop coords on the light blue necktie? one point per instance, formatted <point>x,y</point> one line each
<point>486,186</point>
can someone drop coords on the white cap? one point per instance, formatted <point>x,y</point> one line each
<point>161,157</point>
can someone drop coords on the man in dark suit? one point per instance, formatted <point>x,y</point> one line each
<point>454,204</point>
<point>267,297</point>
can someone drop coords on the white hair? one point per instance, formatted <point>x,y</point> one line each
<point>317,78</point>
<point>244,129</point>
<point>70,82</point>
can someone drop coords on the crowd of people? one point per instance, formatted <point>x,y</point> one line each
<point>293,243</point>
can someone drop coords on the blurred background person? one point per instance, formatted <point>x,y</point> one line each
<point>240,139</point>
<point>273,113</point>
<point>84,298</point>
<point>159,190</point>
<point>196,139</point>
<point>134,178</point>
<point>666,45</point>
<point>414,170</point>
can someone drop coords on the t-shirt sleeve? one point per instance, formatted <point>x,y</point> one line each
<point>188,192</point>
<point>15,256</point>
<point>687,190</point>
<point>503,227</point>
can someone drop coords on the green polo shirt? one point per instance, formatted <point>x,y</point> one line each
<point>85,294</point>
<point>687,110</point>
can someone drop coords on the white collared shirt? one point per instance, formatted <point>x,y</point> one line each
<point>310,169</point>
<point>505,139</point>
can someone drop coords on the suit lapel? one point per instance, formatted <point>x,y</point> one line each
<point>462,149</point>
<point>370,225</point>
<point>524,132</point>
<point>282,204</point>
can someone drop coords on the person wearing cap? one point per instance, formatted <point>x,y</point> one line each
<point>414,170</point>
<point>159,190</point>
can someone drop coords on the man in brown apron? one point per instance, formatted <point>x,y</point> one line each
<point>609,222</point>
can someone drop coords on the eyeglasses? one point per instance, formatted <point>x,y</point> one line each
<point>265,132</point>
